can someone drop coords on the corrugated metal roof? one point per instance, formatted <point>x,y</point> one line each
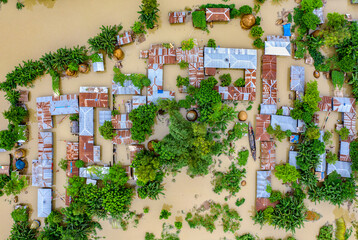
<point>194,55</point>
<point>292,155</point>
<point>24,96</point>
<point>325,104</point>
<point>319,13</point>
<point>344,149</point>
<point>158,54</point>
<point>5,170</point>
<point>268,155</point>
<point>86,121</point>
<point>104,116</point>
<point>155,75</point>
<point>86,148</point>
<point>43,113</point>
<point>263,179</point>
<point>94,97</point>
<point>123,137</point>
<point>160,95</point>
<point>269,91</point>
<point>235,58</point>
<point>98,66</point>
<point>96,153</point>
<point>269,67</point>
<point>44,202</point>
<point>297,78</point>
<point>71,150</point>
<point>321,166</point>
<point>346,105</point>
<point>177,17</point>
<point>236,93</point>
<point>196,73</point>
<point>133,150</point>
<point>250,78</point>
<point>45,147</point>
<point>64,104</point>
<point>286,123</point>
<point>72,170</point>
<point>124,38</point>
<point>42,173</point>
<point>217,14</point>
<point>90,172</point>
<point>270,109</point>
<point>126,89</point>
<point>349,121</point>
<point>343,168</point>
<point>138,101</point>
<point>262,123</point>
<point>121,121</point>
<point>278,48</point>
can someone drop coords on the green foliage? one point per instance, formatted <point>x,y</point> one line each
<point>237,132</point>
<point>275,196</point>
<point>199,20</point>
<point>96,58</point>
<point>245,9</point>
<point>63,57</point>
<point>309,153</point>
<point>331,157</point>
<point>230,218</point>
<point>168,105</point>
<point>107,130</point>
<point>12,96</point>
<point>152,189</point>
<point>249,108</point>
<point>258,43</point>
<point>15,185</point>
<point>242,157</point>
<point>183,65</point>
<point>63,164</point>
<point>240,82</point>
<point>116,199</point>
<point>16,114</point>
<point>146,209</point>
<point>313,133</point>
<point>248,236</point>
<point>187,44</point>
<point>353,153</point>
<point>115,112</point>
<point>325,233</point>
<point>8,138</point>
<point>105,40</point>
<point>178,225</point>
<point>146,166</point>
<point>239,202</point>
<point>164,214</point>
<point>138,80</point>
<point>21,227</point>
<point>327,136</point>
<point>343,133</point>
<point>300,50</point>
<point>211,43</point>
<point>19,5</point>
<point>149,13</point>
<point>230,181</point>
<point>3,181</point>
<point>181,81</point>
<point>55,81</point>
<point>278,133</point>
<point>334,190</point>
<point>338,78</point>
<point>20,215</point>
<point>225,79</point>
<point>74,117</point>
<point>138,28</point>
<point>143,121</point>
<point>256,31</point>
<point>79,163</point>
<point>287,173</point>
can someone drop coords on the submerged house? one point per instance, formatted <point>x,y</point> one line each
<point>263,179</point>
<point>93,97</point>
<point>45,147</point>
<point>44,202</point>
<point>42,173</point>
<point>344,149</point>
<point>278,45</point>
<point>98,66</point>
<point>268,155</point>
<point>93,172</point>
<point>345,105</point>
<point>292,159</point>
<point>127,88</point>
<point>217,14</point>
<point>325,104</point>
<point>177,17</point>
<point>123,137</point>
<point>342,168</point>
<point>234,58</point>
<point>138,101</point>
<point>124,38</point>
<point>71,150</point>
<point>297,79</point>
<point>262,123</point>
<point>285,122</point>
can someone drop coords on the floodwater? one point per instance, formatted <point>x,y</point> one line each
<point>45,25</point>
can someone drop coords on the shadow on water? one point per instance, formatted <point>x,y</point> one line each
<point>30,3</point>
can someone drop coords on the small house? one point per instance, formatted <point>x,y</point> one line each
<point>94,172</point>
<point>263,180</point>
<point>269,109</point>
<point>86,121</point>
<point>64,104</point>
<point>123,137</point>
<point>44,202</point>
<point>124,38</point>
<point>325,104</point>
<point>5,170</point>
<point>98,66</point>
<point>217,14</point>
<point>45,148</point>
<point>42,173</point>
<point>75,127</point>
<point>72,170</point>
<point>349,121</point>
<point>94,97</point>
<point>236,93</point>
<point>292,155</point>
<point>177,17</point>
<point>269,91</point>
<point>262,123</point>
<point>278,45</point>
<point>105,115</point>
<point>342,168</point>
<point>138,101</point>
<point>155,96</point>
<point>85,148</point>
<point>96,153</point>
<point>71,150</point>
<point>235,58</point>
<point>345,105</point>
<point>269,67</point>
<point>285,122</point>
<point>297,79</point>
<point>121,121</point>
<point>344,149</point>
<point>24,96</point>
<point>268,155</point>
<point>128,88</point>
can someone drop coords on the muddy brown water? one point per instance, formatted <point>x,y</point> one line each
<point>44,26</point>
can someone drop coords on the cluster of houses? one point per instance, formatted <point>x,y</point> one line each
<point>211,15</point>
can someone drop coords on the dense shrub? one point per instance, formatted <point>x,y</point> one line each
<point>107,130</point>
<point>287,173</point>
<point>106,40</point>
<point>256,31</point>
<point>199,20</point>
<point>211,43</point>
<point>225,79</point>
<point>181,81</point>
<point>149,13</point>
<point>258,43</point>
<point>240,82</point>
<point>187,44</point>
<point>143,121</point>
<point>139,80</point>
<point>230,181</point>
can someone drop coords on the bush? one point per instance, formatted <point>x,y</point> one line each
<point>278,133</point>
<point>149,13</point>
<point>143,121</point>
<point>164,214</point>
<point>245,9</point>
<point>181,81</point>
<point>16,114</point>
<point>106,40</point>
<point>146,166</point>
<point>187,44</point>
<point>146,209</point>
<point>225,80</point>
<point>230,181</point>
<point>12,96</point>
<point>107,130</point>
<point>256,31</point>
<point>243,155</point>
<point>16,184</point>
<point>239,202</point>
<point>79,164</point>
<point>325,233</point>
<point>20,215</point>
<point>331,157</point>
<point>139,80</point>
<point>313,133</point>
<point>275,196</point>
<point>63,164</point>
<point>199,19</point>
<point>211,43</point>
<point>8,138</point>
<point>240,82</point>
<point>338,78</point>
<point>74,117</point>
<point>353,153</point>
<point>138,28</point>
<point>343,133</point>
<point>327,136</point>
<point>178,225</point>
<point>258,43</point>
<point>287,173</point>
<point>183,65</point>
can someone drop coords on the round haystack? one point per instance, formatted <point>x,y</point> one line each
<point>242,116</point>
<point>247,21</point>
<point>118,53</point>
<point>19,153</point>
<point>192,115</point>
<point>35,224</point>
<point>316,74</point>
<point>243,183</point>
<point>83,68</point>
<point>70,73</point>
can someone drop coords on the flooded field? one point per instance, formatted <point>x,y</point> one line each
<point>45,25</point>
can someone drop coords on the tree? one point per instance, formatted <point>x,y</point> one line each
<point>225,80</point>
<point>16,184</point>
<point>258,43</point>
<point>164,214</point>
<point>353,153</point>
<point>313,132</point>
<point>256,31</point>
<point>286,173</point>
<point>16,114</point>
<point>146,166</point>
<point>12,96</point>
<point>106,40</point>
<point>211,43</point>
<point>240,82</point>
<point>21,227</point>
<point>116,175</point>
<point>187,44</point>
<point>343,133</point>
<point>149,13</point>
<point>79,164</point>
<point>143,121</point>
<point>116,199</point>
<point>107,130</point>
<point>8,138</point>
<point>138,28</point>
<point>331,157</point>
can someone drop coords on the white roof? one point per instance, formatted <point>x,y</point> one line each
<point>44,202</point>
<point>235,58</point>
<point>96,153</point>
<point>292,159</point>
<point>98,66</point>
<point>103,116</point>
<point>278,48</point>
<point>286,123</point>
<point>86,121</point>
<point>269,109</point>
<point>344,148</point>
<point>42,173</point>
<point>93,89</point>
<point>93,172</point>
<point>127,88</point>
<point>343,168</point>
<point>345,104</point>
<point>263,179</point>
<point>297,78</point>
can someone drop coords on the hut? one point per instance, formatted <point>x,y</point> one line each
<point>98,66</point>
<point>123,137</point>
<point>268,155</point>
<point>278,45</point>
<point>72,170</point>
<point>71,150</point>
<point>86,121</point>
<point>45,147</point>
<point>24,96</point>
<point>177,17</point>
<point>342,104</point>
<point>121,121</point>
<point>85,148</point>
<point>44,204</point>
<point>42,173</point>
<point>263,179</point>
<point>217,14</point>
<point>342,168</point>
<point>235,58</point>
<point>19,153</point>
<point>125,88</point>
<point>262,123</point>
<point>285,122</point>
<point>269,109</point>
<point>325,104</point>
<point>125,38</point>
